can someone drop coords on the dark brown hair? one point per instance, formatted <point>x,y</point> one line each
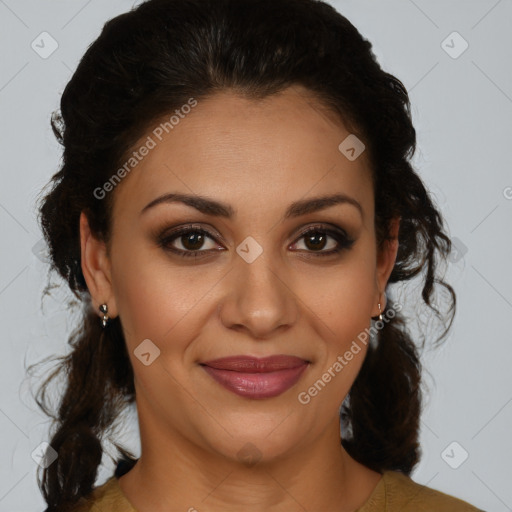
<point>147,63</point>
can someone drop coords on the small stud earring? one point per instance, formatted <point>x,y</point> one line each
<point>105,319</point>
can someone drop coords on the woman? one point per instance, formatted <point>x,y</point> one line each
<point>235,201</point>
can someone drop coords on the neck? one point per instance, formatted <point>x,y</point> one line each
<point>175,474</point>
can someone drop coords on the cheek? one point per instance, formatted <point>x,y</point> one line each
<point>346,306</point>
<point>157,299</point>
<point>161,300</point>
<point>346,303</point>
<point>346,297</point>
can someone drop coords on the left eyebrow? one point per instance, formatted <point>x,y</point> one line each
<point>315,204</point>
<point>216,208</point>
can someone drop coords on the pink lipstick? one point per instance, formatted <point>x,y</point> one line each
<point>254,377</point>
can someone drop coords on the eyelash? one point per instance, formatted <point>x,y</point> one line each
<point>344,241</point>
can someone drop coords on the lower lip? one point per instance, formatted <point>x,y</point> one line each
<point>257,385</point>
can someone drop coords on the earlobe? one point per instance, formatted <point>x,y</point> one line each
<point>96,268</point>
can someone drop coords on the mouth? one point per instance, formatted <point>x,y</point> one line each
<point>256,378</point>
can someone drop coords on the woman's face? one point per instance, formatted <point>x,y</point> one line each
<point>254,284</point>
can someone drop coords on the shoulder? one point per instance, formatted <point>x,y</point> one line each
<point>403,493</point>
<point>107,497</point>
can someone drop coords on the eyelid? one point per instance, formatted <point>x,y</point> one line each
<point>176,230</point>
<point>173,234</point>
<point>323,226</point>
<point>343,240</point>
<point>212,232</point>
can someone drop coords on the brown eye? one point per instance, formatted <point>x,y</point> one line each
<point>316,239</point>
<point>191,239</point>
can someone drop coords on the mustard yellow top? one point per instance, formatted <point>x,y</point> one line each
<point>395,492</point>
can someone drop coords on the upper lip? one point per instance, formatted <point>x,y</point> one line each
<point>250,364</point>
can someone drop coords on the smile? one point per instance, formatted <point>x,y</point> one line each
<point>256,378</point>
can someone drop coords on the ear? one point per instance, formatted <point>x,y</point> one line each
<point>96,269</point>
<point>386,258</point>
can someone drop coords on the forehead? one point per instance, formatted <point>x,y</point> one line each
<point>247,152</point>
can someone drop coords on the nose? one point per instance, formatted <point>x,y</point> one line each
<point>258,297</point>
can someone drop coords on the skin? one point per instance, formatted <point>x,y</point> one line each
<point>258,157</point>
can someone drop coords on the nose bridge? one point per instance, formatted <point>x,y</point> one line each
<point>257,267</point>
<point>260,299</point>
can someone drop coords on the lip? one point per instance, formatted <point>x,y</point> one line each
<point>256,378</point>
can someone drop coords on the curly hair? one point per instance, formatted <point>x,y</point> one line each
<point>147,62</point>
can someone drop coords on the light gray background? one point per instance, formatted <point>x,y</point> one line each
<point>462,110</point>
